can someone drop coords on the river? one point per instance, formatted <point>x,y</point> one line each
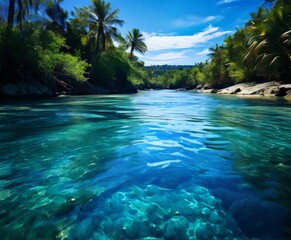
<point>154,165</point>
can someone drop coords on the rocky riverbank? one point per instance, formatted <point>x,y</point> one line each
<point>268,89</point>
<point>69,87</point>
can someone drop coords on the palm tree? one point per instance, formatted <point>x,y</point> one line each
<point>23,7</point>
<point>199,65</point>
<point>11,12</point>
<point>269,42</point>
<point>214,51</point>
<point>136,42</point>
<point>102,22</point>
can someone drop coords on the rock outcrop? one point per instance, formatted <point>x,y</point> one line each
<point>268,89</point>
<point>67,87</point>
<point>26,89</point>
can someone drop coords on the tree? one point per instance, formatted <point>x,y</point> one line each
<point>216,64</point>
<point>23,7</point>
<point>136,42</point>
<point>11,13</point>
<point>102,24</point>
<point>269,42</point>
<point>58,17</point>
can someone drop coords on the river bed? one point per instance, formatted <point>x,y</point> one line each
<point>154,165</point>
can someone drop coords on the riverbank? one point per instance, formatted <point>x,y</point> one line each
<point>268,89</point>
<point>32,89</point>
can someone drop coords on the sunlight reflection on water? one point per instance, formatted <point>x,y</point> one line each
<point>159,164</point>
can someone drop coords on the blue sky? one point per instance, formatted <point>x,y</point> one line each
<point>179,32</point>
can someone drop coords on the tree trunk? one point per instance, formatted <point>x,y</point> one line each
<point>20,14</point>
<point>101,39</point>
<point>11,12</point>
<point>131,53</point>
<point>103,42</point>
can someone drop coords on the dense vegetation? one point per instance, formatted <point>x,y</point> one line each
<point>42,51</point>
<point>259,52</point>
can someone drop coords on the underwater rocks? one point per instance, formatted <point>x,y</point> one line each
<point>157,213</point>
<point>148,212</point>
<point>176,227</point>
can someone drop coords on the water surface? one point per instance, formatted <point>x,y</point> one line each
<point>155,165</point>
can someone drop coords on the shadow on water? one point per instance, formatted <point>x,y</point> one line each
<point>260,137</point>
<point>51,151</point>
<point>156,165</point>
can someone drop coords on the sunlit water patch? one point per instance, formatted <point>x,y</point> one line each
<point>156,165</point>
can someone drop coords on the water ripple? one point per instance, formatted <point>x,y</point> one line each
<point>132,166</point>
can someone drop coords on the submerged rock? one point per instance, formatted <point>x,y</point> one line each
<point>202,232</point>
<point>205,211</point>
<point>40,227</point>
<point>214,218</point>
<point>152,190</point>
<point>176,228</point>
<point>4,193</point>
<point>152,212</point>
<point>155,214</point>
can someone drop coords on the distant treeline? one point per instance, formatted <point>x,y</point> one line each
<point>258,52</point>
<point>163,68</point>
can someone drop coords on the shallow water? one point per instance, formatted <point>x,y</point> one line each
<point>155,165</point>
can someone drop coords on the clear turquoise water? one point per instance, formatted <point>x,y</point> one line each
<point>156,165</point>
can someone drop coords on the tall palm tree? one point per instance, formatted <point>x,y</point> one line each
<point>102,24</point>
<point>214,51</point>
<point>136,42</point>
<point>269,42</point>
<point>23,7</point>
<point>11,12</point>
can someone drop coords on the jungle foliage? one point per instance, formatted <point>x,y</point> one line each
<point>258,52</point>
<point>40,43</point>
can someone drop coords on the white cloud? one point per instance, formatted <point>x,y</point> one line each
<point>156,42</point>
<point>169,56</point>
<point>186,59</point>
<point>226,1</point>
<point>173,49</point>
<point>193,20</point>
<point>174,57</point>
<point>204,52</point>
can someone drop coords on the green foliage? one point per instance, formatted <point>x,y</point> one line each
<point>70,66</point>
<point>33,53</point>
<point>235,72</point>
<point>136,42</point>
<point>179,78</point>
<point>174,77</point>
<point>56,52</point>
<point>102,22</point>
<point>197,76</point>
<point>111,69</point>
<point>259,52</point>
<point>19,52</point>
<point>138,75</point>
